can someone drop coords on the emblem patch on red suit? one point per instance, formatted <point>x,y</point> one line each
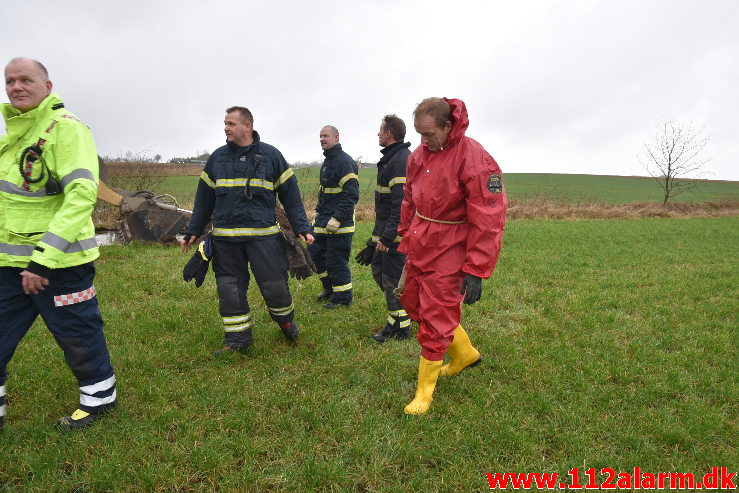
<point>495,184</point>
<point>72,298</point>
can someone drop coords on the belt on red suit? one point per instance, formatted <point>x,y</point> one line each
<point>438,220</point>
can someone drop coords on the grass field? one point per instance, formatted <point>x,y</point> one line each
<point>606,344</point>
<point>519,187</point>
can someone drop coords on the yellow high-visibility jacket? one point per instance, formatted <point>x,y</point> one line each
<point>39,231</point>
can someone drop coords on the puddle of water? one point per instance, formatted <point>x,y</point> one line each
<point>109,238</point>
<point>105,238</point>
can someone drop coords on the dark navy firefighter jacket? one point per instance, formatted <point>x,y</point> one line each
<point>339,191</point>
<point>389,193</point>
<point>239,187</point>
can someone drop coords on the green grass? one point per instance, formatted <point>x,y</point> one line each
<point>606,344</point>
<point>520,186</point>
<point>609,189</point>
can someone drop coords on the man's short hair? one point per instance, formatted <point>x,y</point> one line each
<point>436,108</point>
<point>38,64</point>
<point>246,115</point>
<point>395,126</point>
<point>334,130</point>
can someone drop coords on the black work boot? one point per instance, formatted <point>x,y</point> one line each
<point>230,348</point>
<point>235,346</point>
<point>403,332</point>
<point>290,330</point>
<point>81,419</point>
<point>324,295</point>
<point>332,305</point>
<point>386,333</point>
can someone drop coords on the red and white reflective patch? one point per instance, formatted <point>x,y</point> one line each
<point>72,298</point>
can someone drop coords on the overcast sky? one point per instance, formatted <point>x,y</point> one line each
<point>551,86</point>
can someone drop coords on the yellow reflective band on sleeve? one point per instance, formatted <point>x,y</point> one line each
<point>81,173</point>
<point>65,246</point>
<point>231,232</point>
<point>322,275</point>
<point>399,313</point>
<point>284,177</point>
<point>397,180</point>
<point>405,323</point>
<point>204,176</point>
<point>397,239</point>
<point>343,287</point>
<point>348,177</point>
<point>380,189</point>
<point>332,190</point>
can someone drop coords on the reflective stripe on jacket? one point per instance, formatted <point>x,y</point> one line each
<point>339,191</point>
<point>53,231</point>
<point>389,193</point>
<point>239,186</point>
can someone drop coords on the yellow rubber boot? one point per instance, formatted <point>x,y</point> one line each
<point>428,373</point>
<point>462,354</point>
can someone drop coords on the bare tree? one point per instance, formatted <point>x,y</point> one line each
<point>672,158</point>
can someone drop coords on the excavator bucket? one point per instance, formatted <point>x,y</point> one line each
<point>152,225</point>
<point>143,216</point>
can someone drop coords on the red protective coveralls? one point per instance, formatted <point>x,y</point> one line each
<point>462,182</point>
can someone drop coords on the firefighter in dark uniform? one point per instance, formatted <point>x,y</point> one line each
<point>47,238</point>
<point>239,187</point>
<point>334,221</point>
<point>382,249</point>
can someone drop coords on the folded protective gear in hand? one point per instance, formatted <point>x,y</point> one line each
<point>197,266</point>
<point>299,262</point>
<point>364,257</point>
<point>333,225</point>
<point>471,289</point>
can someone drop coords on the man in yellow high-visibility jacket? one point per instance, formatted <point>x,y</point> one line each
<point>48,189</point>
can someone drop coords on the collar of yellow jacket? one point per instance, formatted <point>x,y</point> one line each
<point>13,115</point>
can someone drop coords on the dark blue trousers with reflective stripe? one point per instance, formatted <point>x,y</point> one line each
<point>268,262</point>
<point>386,269</point>
<point>77,328</point>
<point>330,253</point>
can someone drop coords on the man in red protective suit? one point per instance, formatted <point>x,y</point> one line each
<point>452,222</point>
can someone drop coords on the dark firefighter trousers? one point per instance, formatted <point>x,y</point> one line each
<point>70,310</point>
<point>386,269</point>
<point>330,253</point>
<point>231,261</point>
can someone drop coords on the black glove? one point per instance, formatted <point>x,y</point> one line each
<point>364,257</point>
<point>197,266</point>
<point>471,289</point>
